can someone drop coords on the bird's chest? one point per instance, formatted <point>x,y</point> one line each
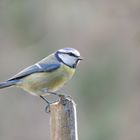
<point>50,81</point>
<point>60,77</point>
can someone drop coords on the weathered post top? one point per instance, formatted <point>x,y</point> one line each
<point>63,120</point>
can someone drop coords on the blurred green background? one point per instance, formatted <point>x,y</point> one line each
<point>106,87</point>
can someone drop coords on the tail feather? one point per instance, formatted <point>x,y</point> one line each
<point>7,84</point>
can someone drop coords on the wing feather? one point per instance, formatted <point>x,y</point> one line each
<point>39,67</point>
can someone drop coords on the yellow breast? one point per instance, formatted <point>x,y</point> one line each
<point>52,81</point>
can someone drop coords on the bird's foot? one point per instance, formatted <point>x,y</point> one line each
<point>47,108</point>
<point>62,98</point>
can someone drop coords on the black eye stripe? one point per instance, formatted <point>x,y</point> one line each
<point>71,54</point>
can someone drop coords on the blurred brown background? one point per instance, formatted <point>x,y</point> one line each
<point>106,86</point>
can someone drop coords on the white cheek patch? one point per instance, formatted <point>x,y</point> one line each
<point>69,60</point>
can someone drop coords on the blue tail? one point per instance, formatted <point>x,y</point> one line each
<point>7,84</point>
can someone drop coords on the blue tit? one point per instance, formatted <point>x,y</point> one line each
<point>48,75</point>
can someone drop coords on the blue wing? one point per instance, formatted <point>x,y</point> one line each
<point>35,69</point>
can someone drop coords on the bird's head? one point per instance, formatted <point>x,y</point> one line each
<point>68,56</point>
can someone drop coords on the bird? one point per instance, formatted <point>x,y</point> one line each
<point>48,75</point>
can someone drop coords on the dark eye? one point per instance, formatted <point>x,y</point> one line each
<point>71,54</point>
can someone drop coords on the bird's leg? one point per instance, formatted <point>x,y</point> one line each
<point>53,93</point>
<point>47,109</point>
<point>45,90</point>
<point>61,97</point>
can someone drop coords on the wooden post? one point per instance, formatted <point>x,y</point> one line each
<point>63,120</point>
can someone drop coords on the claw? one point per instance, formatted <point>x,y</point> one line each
<point>47,109</point>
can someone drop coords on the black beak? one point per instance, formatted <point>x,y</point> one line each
<point>80,58</point>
